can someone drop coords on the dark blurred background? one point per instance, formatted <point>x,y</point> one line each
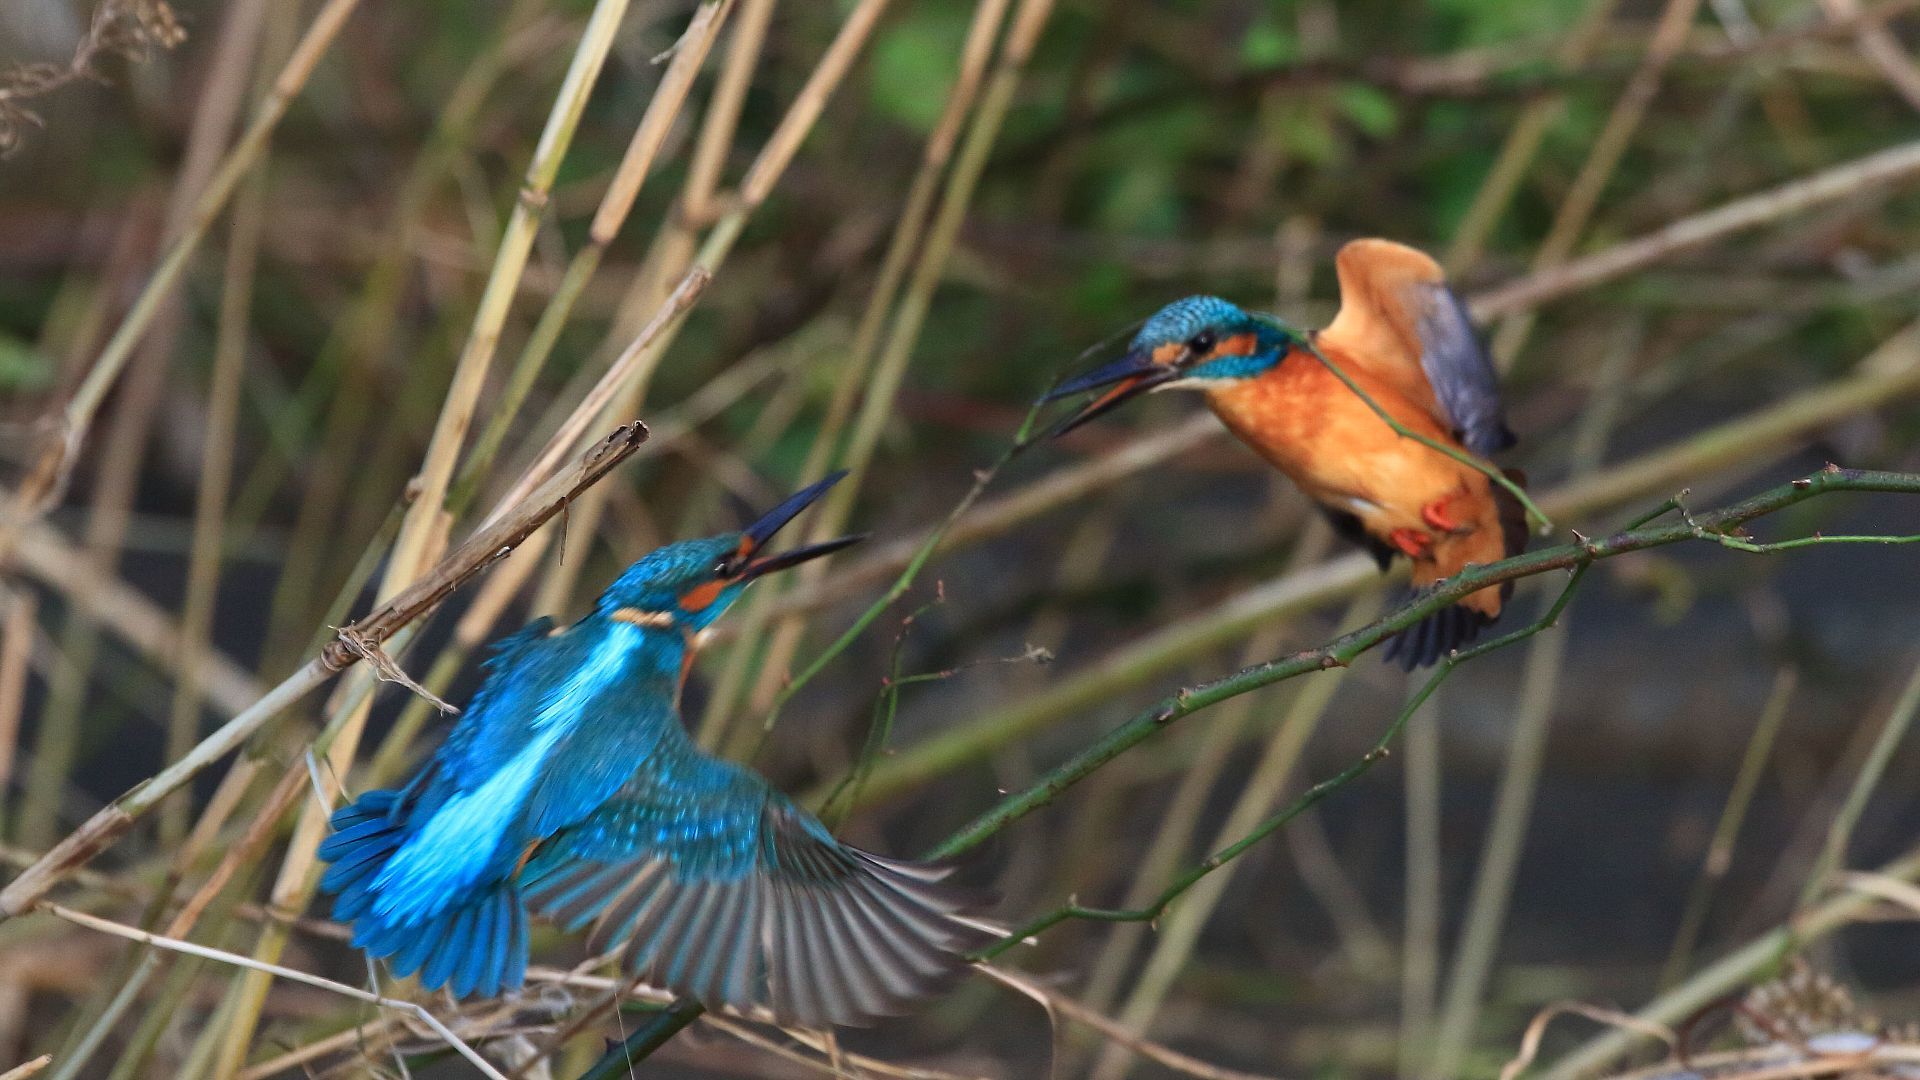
<point>957,229</point>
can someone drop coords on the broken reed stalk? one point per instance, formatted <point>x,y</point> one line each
<point>426,520</point>
<point>351,643</point>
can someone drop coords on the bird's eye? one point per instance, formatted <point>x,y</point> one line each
<point>723,568</point>
<point>1201,342</point>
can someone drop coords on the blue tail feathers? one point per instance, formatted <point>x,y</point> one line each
<point>478,947</point>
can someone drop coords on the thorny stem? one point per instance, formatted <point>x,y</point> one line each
<point>905,581</point>
<point>846,794</point>
<point>1312,795</point>
<point>1343,650</point>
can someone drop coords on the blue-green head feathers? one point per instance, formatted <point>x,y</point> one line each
<point>1212,340</point>
<point>693,582</point>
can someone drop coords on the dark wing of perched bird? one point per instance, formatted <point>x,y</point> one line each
<point>1460,369</point>
<point>722,890</point>
<point>1399,319</point>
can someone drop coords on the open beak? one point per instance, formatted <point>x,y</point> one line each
<point>1130,376</point>
<point>755,536</point>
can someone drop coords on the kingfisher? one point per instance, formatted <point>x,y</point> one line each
<point>571,788</point>
<point>1404,338</point>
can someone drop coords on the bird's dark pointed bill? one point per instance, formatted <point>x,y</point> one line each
<point>1135,374</point>
<point>797,556</point>
<point>761,531</point>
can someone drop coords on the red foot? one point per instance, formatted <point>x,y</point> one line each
<point>1412,543</point>
<point>1436,516</point>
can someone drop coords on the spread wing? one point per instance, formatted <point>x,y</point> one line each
<point>1400,322</point>
<point>727,893</point>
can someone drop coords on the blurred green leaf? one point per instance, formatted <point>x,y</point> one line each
<point>913,66</point>
<point>1268,44</point>
<point>1370,109</point>
<point>22,367</point>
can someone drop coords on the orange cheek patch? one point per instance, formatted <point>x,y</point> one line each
<point>701,597</point>
<point>1237,345</point>
<point>1165,355</point>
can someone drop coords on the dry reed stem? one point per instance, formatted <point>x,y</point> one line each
<point>1732,971</point>
<point>426,521</point>
<point>722,118</point>
<point>587,412</point>
<point>1522,145</point>
<point>63,434</point>
<point>908,230</point>
<point>1116,1032</point>
<point>882,384</point>
<point>1512,812</point>
<point>1884,167</point>
<point>1603,159</point>
<point>1726,832</point>
<point>1179,929</point>
<point>1537,1029</point>
<point>1893,732</point>
<point>28,1068</point>
<point>479,551</point>
<point>46,556</point>
<point>216,476</point>
<point>118,464</point>
<point>107,926</point>
<point>17,625</point>
<point>1881,47</point>
<point>688,54</point>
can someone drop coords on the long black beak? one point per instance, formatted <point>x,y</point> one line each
<point>755,536</point>
<point>796,556</point>
<point>1135,373</point>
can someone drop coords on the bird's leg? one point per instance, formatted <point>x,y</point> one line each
<point>1412,543</point>
<point>1436,516</point>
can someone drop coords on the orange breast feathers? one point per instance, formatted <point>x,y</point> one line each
<point>1417,501</point>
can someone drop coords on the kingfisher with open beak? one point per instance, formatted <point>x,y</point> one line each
<point>571,787</point>
<point>1405,339</point>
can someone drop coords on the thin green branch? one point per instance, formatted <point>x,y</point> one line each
<point>907,576</point>
<point>1313,795</point>
<point>846,793</point>
<point>618,1060</point>
<point>1346,648</point>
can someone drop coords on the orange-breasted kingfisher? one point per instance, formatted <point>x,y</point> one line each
<point>1405,339</point>
<point>570,786</point>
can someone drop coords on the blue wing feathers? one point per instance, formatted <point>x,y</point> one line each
<point>752,904</point>
<point>715,886</point>
<point>467,943</point>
